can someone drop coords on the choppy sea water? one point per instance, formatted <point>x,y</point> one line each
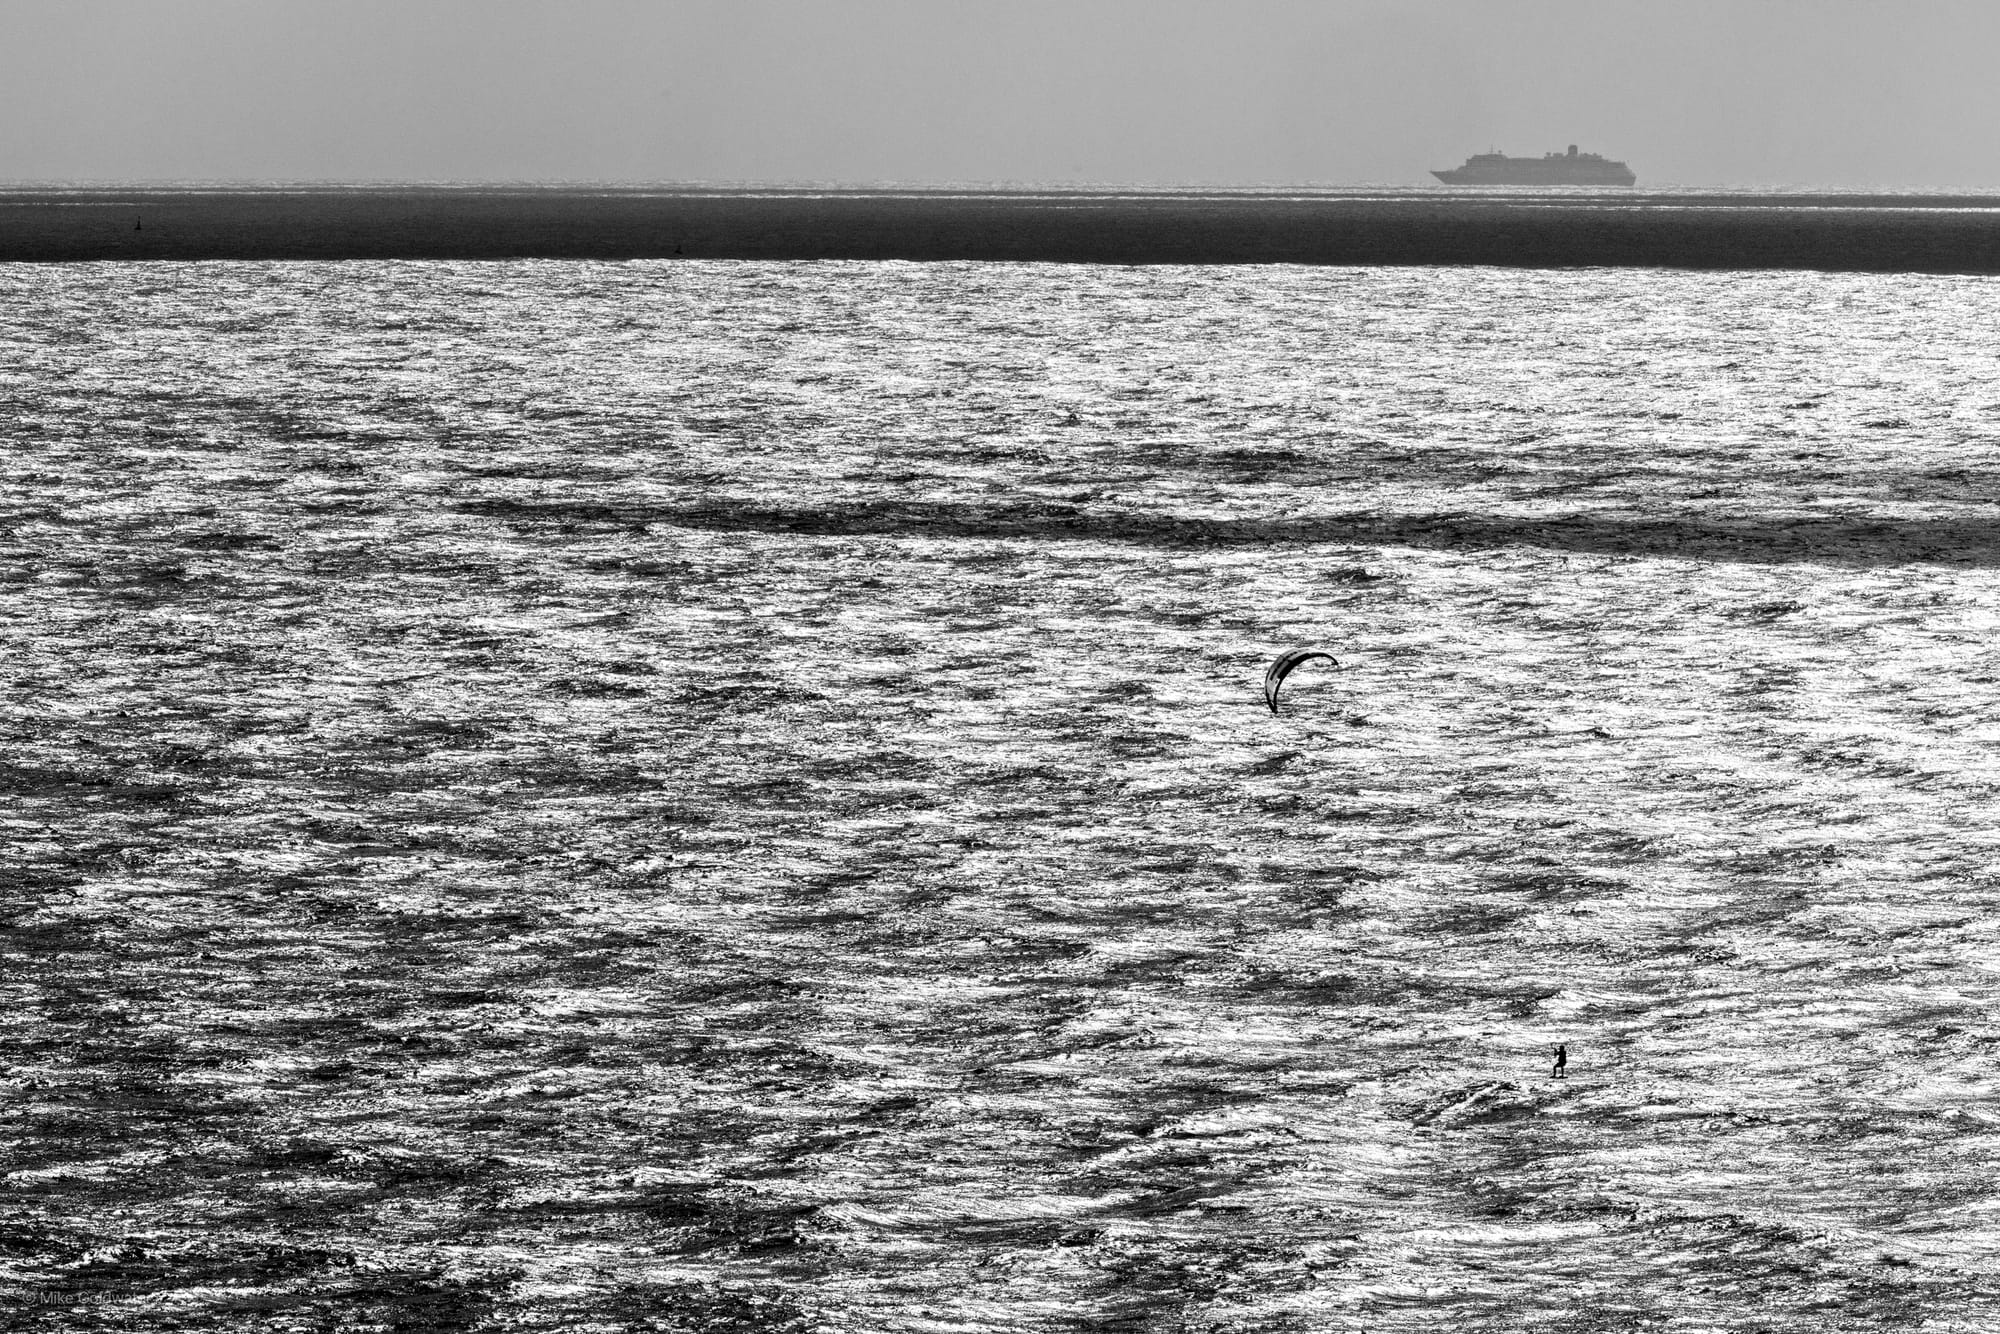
<point>736,797</point>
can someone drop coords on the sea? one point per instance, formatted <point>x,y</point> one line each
<point>700,795</point>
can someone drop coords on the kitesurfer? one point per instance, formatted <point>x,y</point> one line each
<point>1562,1061</point>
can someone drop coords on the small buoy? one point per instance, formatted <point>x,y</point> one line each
<point>1275,675</point>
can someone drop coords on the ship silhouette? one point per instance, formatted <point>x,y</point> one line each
<point>1571,168</point>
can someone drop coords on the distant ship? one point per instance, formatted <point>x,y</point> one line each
<point>1571,168</point>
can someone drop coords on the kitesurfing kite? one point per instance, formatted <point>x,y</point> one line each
<point>1283,667</point>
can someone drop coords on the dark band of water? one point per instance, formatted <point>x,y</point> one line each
<point>1749,539</point>
<point>1535,229</point>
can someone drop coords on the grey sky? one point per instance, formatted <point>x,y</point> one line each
<point>1744,92</point>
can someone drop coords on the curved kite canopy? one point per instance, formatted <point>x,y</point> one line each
<point>1274,676</point>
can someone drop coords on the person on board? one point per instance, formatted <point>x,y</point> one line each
<point>1562,1061</point>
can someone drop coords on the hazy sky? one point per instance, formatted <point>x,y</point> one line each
<point>1830,92</point>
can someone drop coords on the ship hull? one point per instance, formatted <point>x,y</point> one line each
<point>1533,171</point>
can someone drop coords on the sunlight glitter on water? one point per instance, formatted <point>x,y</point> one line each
<point>743,790</point>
